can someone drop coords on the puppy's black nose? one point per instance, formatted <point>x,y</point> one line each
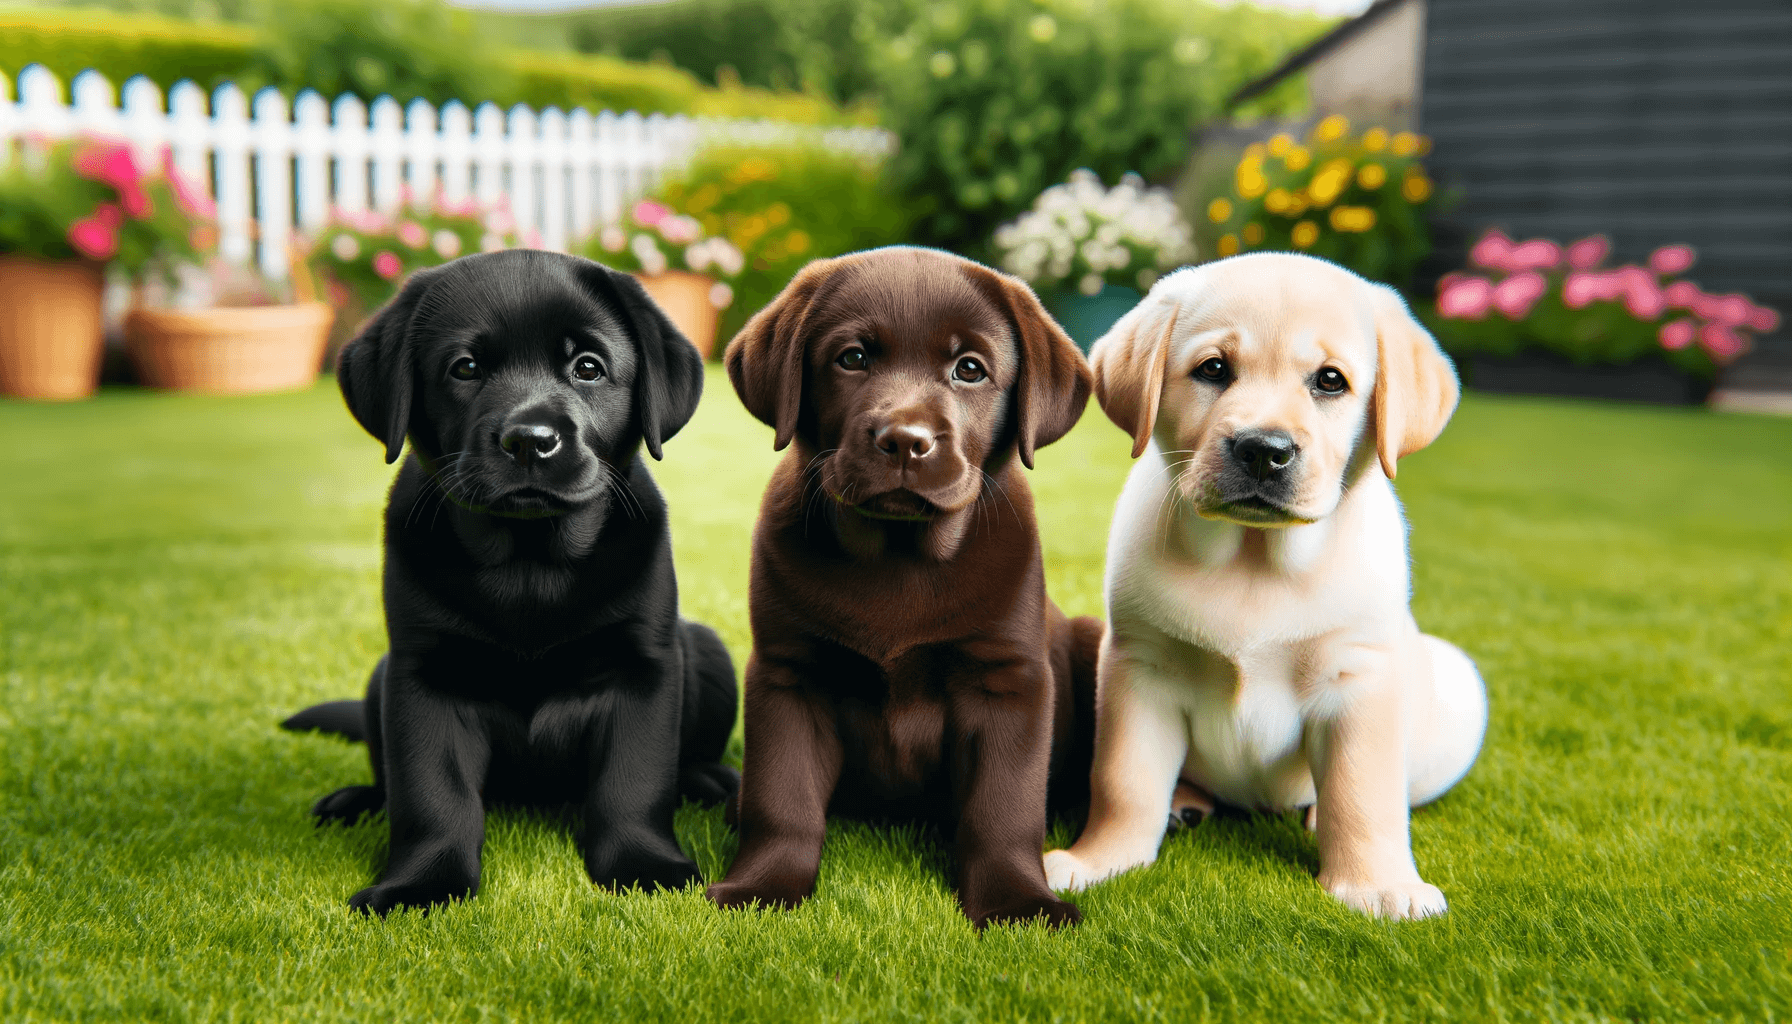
<point>904,440</point>
<point>529,442</point>
<point>1263,453</point>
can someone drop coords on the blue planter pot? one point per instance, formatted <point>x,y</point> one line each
<point>1087,317</point>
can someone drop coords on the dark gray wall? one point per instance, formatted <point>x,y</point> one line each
<point>1648,120</point>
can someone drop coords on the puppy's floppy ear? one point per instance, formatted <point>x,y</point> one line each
<point>1129,363</point>
<point>1415,383</point>
<point>1054,382</point>
<point>669,376</point>
<point>765,360</point>
<point>376,370</point>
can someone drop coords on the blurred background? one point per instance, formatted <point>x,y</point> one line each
<point>1585,198</point>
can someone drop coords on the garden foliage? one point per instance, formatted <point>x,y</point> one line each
<point>1538,295</point>
<point>994,100</point>
<point>94,200</point>
<point>361,258</point>
<point>1359,201</point>
<point>1081,235</point>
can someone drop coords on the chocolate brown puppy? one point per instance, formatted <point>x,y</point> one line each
<point>907,664</point>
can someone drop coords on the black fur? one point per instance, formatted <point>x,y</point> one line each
<point>536,653</point>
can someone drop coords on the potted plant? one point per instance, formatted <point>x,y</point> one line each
<point>360,258</point>
<point>1359,201</point>
<point>1539,317</point>
<point>683,267</point>
<point>68,211</point>
<point>227,331</point>
<point>1092,251</point>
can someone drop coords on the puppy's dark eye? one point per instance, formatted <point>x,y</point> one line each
<point>587,368</point>
<point>1215,370</point>
<point>465,368</point>
<point>853,359</point>
<point>969,370</point>
<point>1330,381</point>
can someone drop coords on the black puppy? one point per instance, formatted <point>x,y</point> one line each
<point>535,653</point>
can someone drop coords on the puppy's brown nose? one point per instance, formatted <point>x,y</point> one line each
<point>902,441</point>
<point>529,442</point>
<point>1263,453</point>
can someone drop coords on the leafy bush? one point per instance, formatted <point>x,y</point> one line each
<point>995,100</point>
<point>1083,234</point>
<point>1540,295</point>
<point>119,46</point>
<point>780,207</point>
<point>1357,201</point>
<point>362,258</point>
<point>403,48</point>
<point>91,199</point>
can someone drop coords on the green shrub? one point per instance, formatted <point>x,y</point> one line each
<point>119,46</point>
<point>994,100</point>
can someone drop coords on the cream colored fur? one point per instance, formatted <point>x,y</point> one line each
<point>1273,664</point>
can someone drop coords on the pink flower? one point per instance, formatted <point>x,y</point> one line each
<point>1683,294</point>
<point>95,237</point>
<point>1671,259</point>
<point>1536,254</point>
<point>1492,250</point>
<point>1467,298</point>
<point>649,213</point>
<point>109,214</point>
<point>1762,319</point>
<point>1644,300</point>
<point>1589,252</point>
<point>1677,334</point>
<point>386,264</point>
<point>532,240</point>
<point>1731,310</point>
<point>1722,343</point>
<point>188,196</point>
<point>136,202</point>
<point>1515,296</point>
<point>110,163</point>
<point>412,234</point>
<point>1580,290</point>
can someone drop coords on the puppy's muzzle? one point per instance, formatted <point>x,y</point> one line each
<point>1263,454</point>
<point>529,443</point>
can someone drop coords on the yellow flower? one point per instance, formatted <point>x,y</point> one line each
<point>797,241</point>
<point>1424,144</point>
<point>1298,203</point>
<point>1305,234</point>
<point>1331,128</point>
<point>1330,182</point>
<point>1372,176</point>
<point>1278,200</point>
<point>1374,139</point>
<point>1405,144</point>
<point>1253,233</point>
<point>756,168</point>
<point>1281,144</point>
<point>1250,180</point>
<point>778,214</point>
<point>1416,188</point>
<point>1352,218</point>
<point>1298,158</point>
<point>1219,210</point>
<point>704,198</point>
<point>1227,245</point>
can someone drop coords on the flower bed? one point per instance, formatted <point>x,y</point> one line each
<point>1539,297</point>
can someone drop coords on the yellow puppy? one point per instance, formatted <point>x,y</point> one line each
<point>1260,648</point>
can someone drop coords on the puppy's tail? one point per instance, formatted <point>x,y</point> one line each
<point>345,718</point>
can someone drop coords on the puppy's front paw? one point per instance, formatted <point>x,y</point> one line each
<point>382,899</point>
<point>732,895</point>
<point>1047,910</point>
<point>649,871</point>
<point>1399,901</point>
<point>1065,872</point>
<point>348,804</point>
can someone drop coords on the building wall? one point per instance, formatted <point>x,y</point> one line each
<point>1652,121</point>
<point>1374,76</point>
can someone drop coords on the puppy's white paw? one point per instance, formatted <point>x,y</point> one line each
<point>1400,901</point>
<point>1064,872</point>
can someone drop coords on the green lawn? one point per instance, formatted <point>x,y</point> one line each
<point>177,573</point>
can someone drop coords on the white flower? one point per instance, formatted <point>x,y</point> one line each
<point>1080,229</point>
<point>1090,284</point>
<point>728,258</point>
<point>720,295</point>
<point>491,241</point>
<point>446,244</point>
<point>697,257</point>
<point>345,248</point>
<point>612,238</point>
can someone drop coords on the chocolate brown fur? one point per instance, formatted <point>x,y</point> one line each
<point>907,663</point>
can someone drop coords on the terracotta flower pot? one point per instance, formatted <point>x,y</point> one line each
<point>229,351</point>
<point>51,336</point>
<point>684,297</point>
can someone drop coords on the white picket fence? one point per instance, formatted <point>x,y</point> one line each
<point>273,169</point>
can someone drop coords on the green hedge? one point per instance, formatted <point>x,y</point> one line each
<point>166,50</point>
